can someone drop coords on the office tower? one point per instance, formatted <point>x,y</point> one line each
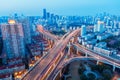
<point>108,22</point>
<point>47,15</point>
<point>95,28</point>
<point>15,16</point>
<point>52,16</point>
<point>111,23</point>
<point>13,39</point>
<point>119,25</point>
<point>83,30</point>
<point>115,24</point>
<point>26,29</point>
<point>44,13</point>
<point>100,26</point>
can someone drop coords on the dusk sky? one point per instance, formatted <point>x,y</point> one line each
<point>61,7</point>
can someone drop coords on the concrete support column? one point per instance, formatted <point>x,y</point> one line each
<point>69,48</point>
<point>77,51</point>
<point>86,55</point>
<point>60,73</point>
<point>73,40</point>
<point>52,43</point>
<point>49,41</point>
<point>97,62</point>
<point>114,67</point>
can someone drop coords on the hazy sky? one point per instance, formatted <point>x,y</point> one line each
<point>62,7</point>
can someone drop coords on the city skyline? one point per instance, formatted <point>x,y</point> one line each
<point>67,7</point>
<point>43,40</point>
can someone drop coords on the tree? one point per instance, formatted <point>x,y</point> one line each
<point>91,76</point>
<point>81,69</point>
<point>107,74</point>
<point>83,77</point>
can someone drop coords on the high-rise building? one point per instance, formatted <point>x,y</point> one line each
<point>26,29</point>
<point>95,28</point>
<point>115,24</point>
<point>44,13</point>
<point>119,25</point>
<point>83,30</point>
<point>48,15</point>
<point>100,26</point>
<point>52,16</point>
<point>13,39</point>
<point>108,22</point>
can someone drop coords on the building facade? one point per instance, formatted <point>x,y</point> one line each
<point>13,39</point>
<point>26,29</point>
<point>83,30</point>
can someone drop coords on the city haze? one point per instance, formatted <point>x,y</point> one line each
<point>63,7</point>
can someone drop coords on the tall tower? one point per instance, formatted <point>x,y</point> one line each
<point>26,29</point>
<point>83,30</point>
<point>13,39</point>
<point>44,14</point>
<point>95,28</point>
<point>100,26</point>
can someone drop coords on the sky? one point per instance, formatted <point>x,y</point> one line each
<point>60,7</point>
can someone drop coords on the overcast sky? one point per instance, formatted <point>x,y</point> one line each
<point>61,7</point>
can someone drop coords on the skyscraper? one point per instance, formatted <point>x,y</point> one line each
<point>100,26</point>
<point>47,15</point>
<point>44,13</point>
<point>26,29</point>
<point>83,30</point>
<point>95,28</point>
<point>13,39</point>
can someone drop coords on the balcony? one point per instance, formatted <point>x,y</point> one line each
<point>12,68</point>
<point>36,53</point>
<point>6,77</point>
<point>14,61</point>
<point>17,67</point>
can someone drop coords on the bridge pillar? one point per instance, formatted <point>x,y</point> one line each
<point>97,62</point>
<point>77,51</point>
<point>69,48</point>
<point>53,42</point>
<point>72,40</point>
<point>114,67</point>
<point>50,43</point>
<point>60,73</point>
<point>86,55</point>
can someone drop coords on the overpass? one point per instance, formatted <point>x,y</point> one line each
<point>98,56</point>
<point>48,63</point>
<point>42,71</point>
